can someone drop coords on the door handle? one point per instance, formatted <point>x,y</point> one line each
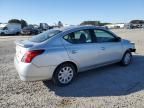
<point>74,51</point>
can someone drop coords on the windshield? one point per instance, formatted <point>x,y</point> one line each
<point>44,36</point>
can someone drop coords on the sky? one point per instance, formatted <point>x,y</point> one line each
<point>71,11</point>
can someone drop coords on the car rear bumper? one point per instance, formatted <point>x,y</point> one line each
<point>30,72</point>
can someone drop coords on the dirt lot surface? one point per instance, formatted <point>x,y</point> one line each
<point>109,87</point>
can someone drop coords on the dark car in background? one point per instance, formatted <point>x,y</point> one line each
<point>30,30</point>
<point>43,27</point>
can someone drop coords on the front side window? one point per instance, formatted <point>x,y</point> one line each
<point>103,36</point>
<point>79,37</point>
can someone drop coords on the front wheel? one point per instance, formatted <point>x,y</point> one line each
<point>127,58</point>
<point>64,74</point>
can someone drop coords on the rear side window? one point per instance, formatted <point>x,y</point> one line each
<point>44,36</point>
<point>79,37</point>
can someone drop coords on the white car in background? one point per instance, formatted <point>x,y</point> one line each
<point>10,29</point>
<point>59,54</point>
<point>143,26</point>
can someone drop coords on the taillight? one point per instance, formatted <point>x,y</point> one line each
<point>30,55</point>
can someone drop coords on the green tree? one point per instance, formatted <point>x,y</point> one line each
<point>95,23</point>
<point>137,22</point>
<point>23,23</point>
<point>60,24</point>
<point>14,21</point>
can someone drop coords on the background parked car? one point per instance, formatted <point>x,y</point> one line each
<point>30,30</point>
<point>44,26</point>
<point>143,26</point>
<point>10,29</point>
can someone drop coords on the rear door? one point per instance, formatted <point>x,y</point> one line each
<point>82,49</point>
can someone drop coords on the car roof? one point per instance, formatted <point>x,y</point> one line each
<point>64,29</point>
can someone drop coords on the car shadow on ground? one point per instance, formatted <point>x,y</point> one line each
<point>113,80</point>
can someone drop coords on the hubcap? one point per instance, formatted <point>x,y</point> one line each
<point>127,58</point>
<point>65,75</point>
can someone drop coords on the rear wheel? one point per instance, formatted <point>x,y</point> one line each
<point>2,34</point>
<point>127,58</point>
<point>64,74</point>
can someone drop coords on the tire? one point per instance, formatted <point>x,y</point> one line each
<point>17,33</point>
<point>31,33</point>
<point>127,58</point>
<point>64,74</point>
<point>2,34</point>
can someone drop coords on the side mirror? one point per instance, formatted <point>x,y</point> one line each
<point>118,39</point>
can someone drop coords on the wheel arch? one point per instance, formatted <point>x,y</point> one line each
<point>125,51</point>
<point>128,50</point>
<point>67,62</point>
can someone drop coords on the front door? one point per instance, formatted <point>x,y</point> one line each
<point>110,46</point>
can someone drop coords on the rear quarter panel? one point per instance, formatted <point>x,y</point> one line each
<point>54,54</point>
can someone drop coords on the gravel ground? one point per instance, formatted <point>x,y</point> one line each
<point>107,87</point>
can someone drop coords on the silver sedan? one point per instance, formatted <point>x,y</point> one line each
<point>59,54</point>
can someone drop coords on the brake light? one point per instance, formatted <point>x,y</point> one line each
<point>30,55</point>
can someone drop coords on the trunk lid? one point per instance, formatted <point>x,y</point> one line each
<point>21,48</point>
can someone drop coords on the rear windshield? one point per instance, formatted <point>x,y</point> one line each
<point>44,36</point>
